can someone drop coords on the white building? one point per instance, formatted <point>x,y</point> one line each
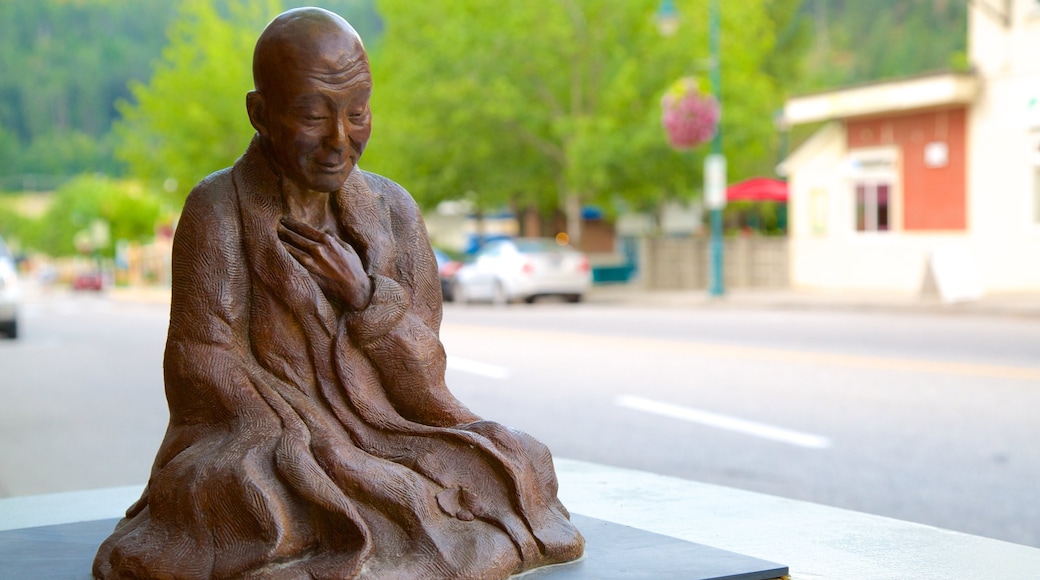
<point>936,174</point>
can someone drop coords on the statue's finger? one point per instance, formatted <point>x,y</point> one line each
<point>302,229</point>
<point>294,238</point>
<point>302,256</point>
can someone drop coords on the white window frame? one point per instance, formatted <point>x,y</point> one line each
<point>872,166</point>
<point>870,189</point>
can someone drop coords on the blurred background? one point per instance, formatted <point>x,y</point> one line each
<point>800,152</point>
<point>540,119</point>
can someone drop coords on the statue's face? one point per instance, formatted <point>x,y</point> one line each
<point>317,118</point>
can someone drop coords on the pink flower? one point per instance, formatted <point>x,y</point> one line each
<point>690,117</point>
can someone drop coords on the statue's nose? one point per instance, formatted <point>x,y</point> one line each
<point>339,133</point>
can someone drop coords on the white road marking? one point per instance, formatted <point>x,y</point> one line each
<point>725,422</point>
<point>477,368</point>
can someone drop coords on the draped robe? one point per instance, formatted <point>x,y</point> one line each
<point>309,442</point>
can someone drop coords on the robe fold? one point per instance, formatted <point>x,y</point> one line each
<point>309,442</point>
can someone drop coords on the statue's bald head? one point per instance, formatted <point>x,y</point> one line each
<point>310,106</point>
<point>306,38</point>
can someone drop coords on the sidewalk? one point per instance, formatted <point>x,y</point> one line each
<point>816,542</point>
<point>1015,305</point>
<point>146,294</point>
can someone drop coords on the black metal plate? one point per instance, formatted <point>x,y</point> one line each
<point>612,551</point>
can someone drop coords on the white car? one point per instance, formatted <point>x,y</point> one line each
<point>10,293</point>
<point>523,269</point>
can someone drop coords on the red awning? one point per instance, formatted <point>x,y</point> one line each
<point>758,189</point>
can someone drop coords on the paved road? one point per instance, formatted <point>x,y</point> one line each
<point>82,391</point>
<point>927,418</point>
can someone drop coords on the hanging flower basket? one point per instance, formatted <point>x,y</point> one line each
<point>690,116</point>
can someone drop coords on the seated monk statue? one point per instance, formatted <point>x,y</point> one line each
<point>311,432</point>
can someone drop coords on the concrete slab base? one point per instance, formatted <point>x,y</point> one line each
<point>816,542</point>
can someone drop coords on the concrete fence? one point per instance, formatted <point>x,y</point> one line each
<point>682,263</point>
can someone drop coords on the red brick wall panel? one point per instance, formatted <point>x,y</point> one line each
<point>933,198</point>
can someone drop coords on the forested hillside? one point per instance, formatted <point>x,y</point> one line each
<point>856,41</point>
<point>64,64</point>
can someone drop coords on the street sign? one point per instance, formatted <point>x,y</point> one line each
<point>715,181</point>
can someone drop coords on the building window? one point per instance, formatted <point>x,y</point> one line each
<point>873,206</point>
<point>874,177</point>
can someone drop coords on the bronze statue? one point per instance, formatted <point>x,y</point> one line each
<point>311,433</point>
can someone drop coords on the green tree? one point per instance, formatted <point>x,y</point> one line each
<point>530,103</point>
<point>189,120</point>
<point>13,225</point>
<point>67,62</point>
<point>126,208</point>
<point>10,153</point>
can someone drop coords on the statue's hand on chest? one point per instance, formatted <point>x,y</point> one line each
<point>333,263</point>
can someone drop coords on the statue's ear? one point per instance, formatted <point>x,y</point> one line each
<point>257,112</point>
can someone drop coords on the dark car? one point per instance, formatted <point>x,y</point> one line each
<point>10,293</point>
<point>446,268</point>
